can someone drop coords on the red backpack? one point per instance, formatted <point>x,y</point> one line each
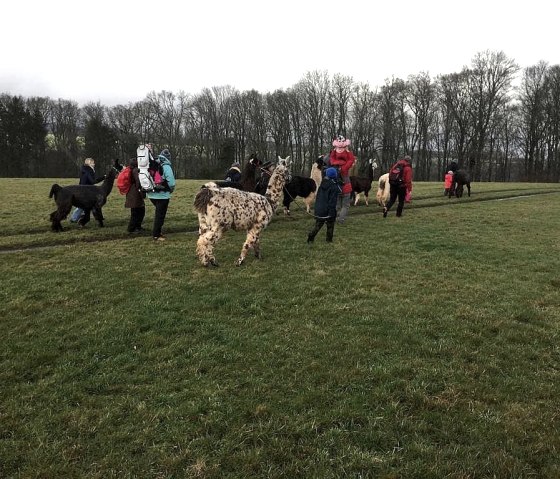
<point>124,180</point>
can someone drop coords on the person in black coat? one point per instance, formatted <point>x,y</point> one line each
<point>234,173</point>
<point>87,177</point>
<point>325,205</point>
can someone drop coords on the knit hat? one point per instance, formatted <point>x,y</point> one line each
<point>166,154</point>
<point>341,142</point>
<point>235,164</point>
<point>331,173</point>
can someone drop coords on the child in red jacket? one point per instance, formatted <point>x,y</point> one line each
<point>448,183</point>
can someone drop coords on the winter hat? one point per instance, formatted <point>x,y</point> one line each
<point>235,164</point>
<point>331,173</point>
<point>449,172</point>
<point>166,154</point>
<point>341,142</point>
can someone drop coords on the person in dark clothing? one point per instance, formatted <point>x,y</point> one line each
<point>234,173</point>
<point>87,177</point>
<point>325,205</point>
<point>135,200</point>
<point>400,189</point>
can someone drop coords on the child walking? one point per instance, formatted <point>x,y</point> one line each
<point>325,205</point>
<point>447,183</point>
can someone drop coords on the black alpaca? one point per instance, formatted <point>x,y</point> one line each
<point>361,184</point>
<point>248,180</point>
<point>461,178</point>
<point>299,186</point>
<point>90,198</point>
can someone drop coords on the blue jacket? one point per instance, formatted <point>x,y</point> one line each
<point>167,176</point>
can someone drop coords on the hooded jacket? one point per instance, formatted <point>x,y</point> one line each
<point>168,176</point>
<point>407,174</point>
<point>327,198</point>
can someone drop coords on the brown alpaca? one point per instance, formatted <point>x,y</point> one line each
<point>220,209</point>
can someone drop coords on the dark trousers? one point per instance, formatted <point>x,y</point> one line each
<point>318,225</point>
<point>159,217</point>
<point>136,218</point>
<point>397,192</point>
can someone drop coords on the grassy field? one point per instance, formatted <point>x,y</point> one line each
<point>419,347</point>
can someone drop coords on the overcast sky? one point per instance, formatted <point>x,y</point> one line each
<point>118,51</point>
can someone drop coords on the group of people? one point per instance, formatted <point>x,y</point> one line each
<point>135,196</point>
<point>331,204</point>
<point>159,197</point>
<point>333,195</point>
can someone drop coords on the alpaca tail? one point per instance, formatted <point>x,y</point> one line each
<point>202,199</point>
<point>54,190</point>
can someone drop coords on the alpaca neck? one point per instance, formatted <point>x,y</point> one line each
<point>276,186</point>
<point>108,182</point>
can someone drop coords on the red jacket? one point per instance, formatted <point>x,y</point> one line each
<point>344,161</point>
<point>407,173</point>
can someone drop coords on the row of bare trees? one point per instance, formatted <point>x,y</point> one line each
<point>477,117</point>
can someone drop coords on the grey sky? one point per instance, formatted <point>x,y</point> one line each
<point>118,51</point>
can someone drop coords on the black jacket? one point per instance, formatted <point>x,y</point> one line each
<point>87,176</point>
<point>327,197</point>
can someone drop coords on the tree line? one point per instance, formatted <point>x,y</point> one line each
<point>477,117</point>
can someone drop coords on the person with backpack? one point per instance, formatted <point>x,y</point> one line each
<point>342,159</point>
<point>325,205</point>
<point>87,177</point>
<point>162,193</point>
<point>135,199</point>
<point>400,182</point>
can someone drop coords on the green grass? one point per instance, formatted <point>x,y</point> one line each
<point>425,346</point>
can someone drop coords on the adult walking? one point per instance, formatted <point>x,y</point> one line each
<point>135,200</point>
<point>162,194</point>
<point>343,159</point>
<point>87,177</point>
<point>400,181</point>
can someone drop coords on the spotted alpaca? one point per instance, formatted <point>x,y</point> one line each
<point>383,190</point>
<point>221,209</point>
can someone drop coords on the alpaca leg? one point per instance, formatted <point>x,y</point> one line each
<point>469,188</point>
<point>357,200</point>
<point>252,238</point>
<point>84,220</point>
<point>205,247</point>
<point>309,201</point>
<point>367,198</point>
<point>98,215</point>
<point>55,220</point>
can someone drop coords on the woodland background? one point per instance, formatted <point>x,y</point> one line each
<point>497,120</point>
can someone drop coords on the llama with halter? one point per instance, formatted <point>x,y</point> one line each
<point>90,198</point>
<point>299,186</point>
<point>383,190</point>
<point>220,209</point>
<point>362,184</point>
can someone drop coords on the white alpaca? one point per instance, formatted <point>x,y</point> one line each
<point>220,209</point>
<point>317,172</point>
<point>383,190</point>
